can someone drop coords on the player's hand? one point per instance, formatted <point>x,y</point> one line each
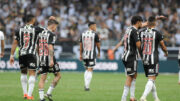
<point>11,60</point>
<point>51,63</point>
<point>80,58</point>
<point>166,54</point>
<point>2,54</point>
<point>99,55</point>
<point>161,17</point>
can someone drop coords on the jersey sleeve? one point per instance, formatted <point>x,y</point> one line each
<point>16,36</point>
<point>52,39</point>
<point>159,36</point>
<point>39,29</point>
<point>97,38</point>
<point>135,36</point>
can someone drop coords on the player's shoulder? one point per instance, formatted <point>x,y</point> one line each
<point>142,30</point>
<point>1,33</point>
<point>157,31</point>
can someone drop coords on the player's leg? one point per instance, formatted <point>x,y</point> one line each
<point>151,72</point>
<point>88,77</point>
<point>131,72</point>
<point>133,83</point>
<point>24,82</point>
<point>31,60</point>
<point>31,83</point>
<point>43,72</point>
<point>23,78</point>
<point>89,64</point>
<point>133,88</point>
<point>57,74</point>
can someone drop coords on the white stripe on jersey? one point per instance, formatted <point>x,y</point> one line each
<point>152,56</point>
<point>128,46</point>
<point>93,37</point>
<point>30,50</point>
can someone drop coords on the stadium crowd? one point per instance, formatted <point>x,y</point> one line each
<point>111,16</point>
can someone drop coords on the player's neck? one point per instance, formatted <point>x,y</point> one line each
<point>135,26</point>
<point>49,29</point>
<point>29,23</point>
<point>151,27</point>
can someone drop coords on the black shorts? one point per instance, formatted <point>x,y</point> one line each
<point>151,70</point>
<point>28,61</point>
<point>179,63</point>
<point>130,67</point>
<point>47,69</point>
<point>89,62</point>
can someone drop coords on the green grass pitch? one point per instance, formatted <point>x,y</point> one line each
<point>104,87</point>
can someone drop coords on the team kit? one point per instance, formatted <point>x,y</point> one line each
<point>36,49</point>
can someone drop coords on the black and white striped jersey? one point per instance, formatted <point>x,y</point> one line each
<point>46,38</point>
<point>150,40</point>
<point>130,50</point>
<point>89,39</point>
<point>27,37</point>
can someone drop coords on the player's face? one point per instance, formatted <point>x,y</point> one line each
<point>34,20</point>
<point>139,24</point>
<point>54,27</point>
<point>93,27</point>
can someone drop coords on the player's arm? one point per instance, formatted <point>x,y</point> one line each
<point>2,48</point>
<point>97,40</point>
<point>118,45</point>
<point>14,45</point>
<point>81,50</point>
<point>163,47</point>
<point>98,47</point>
<point>51,54</point>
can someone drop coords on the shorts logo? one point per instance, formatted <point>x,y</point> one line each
<point>151,70</point>
<point>32,64</point>
<point>91,63</point>
<point>128,69</point>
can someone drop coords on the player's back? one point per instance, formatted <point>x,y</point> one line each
<point>46,37</point>
<point>130,39</point>
<point>89,39</point>
<point>150,40</point>
<point>27,39</point>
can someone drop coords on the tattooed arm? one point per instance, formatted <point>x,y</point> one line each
<point>51,54</point>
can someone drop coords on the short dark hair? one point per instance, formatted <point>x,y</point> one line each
<point>135,19</point>
<point>151,19</point>
<point>52,21</point>
<point>28,18</point>
<point>91,23</point>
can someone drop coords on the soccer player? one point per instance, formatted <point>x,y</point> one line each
<point>150,40</point>
<point>129,58</point>
<point>1,44</point>
<point>26,37</point>
<point>47,60</point>
<point>89,40</point>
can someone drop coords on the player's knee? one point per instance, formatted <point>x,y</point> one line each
<point>58,75</point>
<point>24,71</point>
<point>32,79</point>
<point>23,77</point>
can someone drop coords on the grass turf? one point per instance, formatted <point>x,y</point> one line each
<point>104,87</point>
